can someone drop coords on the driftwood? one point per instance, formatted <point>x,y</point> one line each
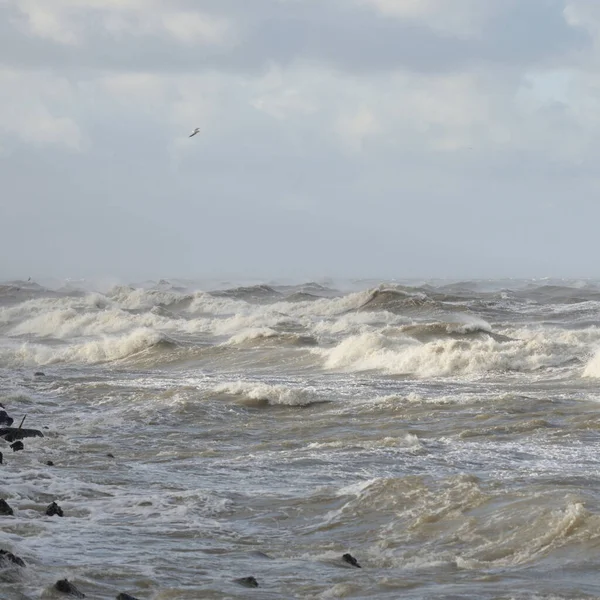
<point>10,434</point>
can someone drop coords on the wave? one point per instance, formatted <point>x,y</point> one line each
<point>106,349</point>
<point>375,351</point>
<point>260,334</point>
<point>396,300</point>
<point>262,394</point>
<point>592,367</point>
<point>255,293</point>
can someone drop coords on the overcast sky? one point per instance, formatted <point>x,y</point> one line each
<point>352,138</point>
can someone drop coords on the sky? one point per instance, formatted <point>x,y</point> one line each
<point>339,138</point>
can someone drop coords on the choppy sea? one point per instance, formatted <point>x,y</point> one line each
<point>446,434</point>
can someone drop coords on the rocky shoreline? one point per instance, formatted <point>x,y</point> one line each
<point>14,568</point>
<point>11,564</point>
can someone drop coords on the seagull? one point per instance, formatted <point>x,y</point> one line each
<point>197,130</point>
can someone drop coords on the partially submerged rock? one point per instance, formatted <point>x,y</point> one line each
<point>66,587</point>
<point>17,446</point>
<point>6,556</point>
<point>5,509</point>
<point>11,434</point>
<point>54,509</point>
<point>1,458</point>
<point>50,463</point>
<point>124,596</point>
<point>5,419</point>
<point>351,560</point>
<point>247,582</point>
<point>39,374</point>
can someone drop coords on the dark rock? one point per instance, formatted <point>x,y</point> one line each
<point>110,455</point>
<point>54,509</point>
<point>66,587</point>
<point>39,374</point>
<point>9,556</point>
<point>351,560</point>
<point>1,458</point>
<point>17,446</point>
<point>5,509</point>
<point>11,434</point>
<point>247,581</point>
<point>50,463</point>
<point>5,419</point>
<point>123,596</point>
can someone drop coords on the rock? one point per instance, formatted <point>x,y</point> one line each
<point>10,557</point>
<point>123,596</point>
<point>11,434</point>
<point>5,509</point>
<point>54,509</point>
<point>1,458</point>
<point>247,581</point>
<point>110,455</point>
<point>5,419</point>
<point>66,587</point>
<point>39,374</point>
<point>50,463</point>
<point>17,446</point>
<point>351,560</point>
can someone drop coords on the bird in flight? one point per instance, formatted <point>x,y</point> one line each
<point>197,130</point>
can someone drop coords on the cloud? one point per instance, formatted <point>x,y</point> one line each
<point>360,127</point>
<point>358,36</point>
<point>73,22</point>
<point>38,110</point>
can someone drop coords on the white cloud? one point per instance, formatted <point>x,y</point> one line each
<point>354,127</point>
<point>193,28</point>
<point>36,109</point>
<point>69,21</point>
<point>41,20</point>
<point>462,17</point>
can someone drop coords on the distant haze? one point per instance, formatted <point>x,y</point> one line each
<point>347,138</point>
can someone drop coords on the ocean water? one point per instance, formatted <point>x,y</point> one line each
<point>446,434</point>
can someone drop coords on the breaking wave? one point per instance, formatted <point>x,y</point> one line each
<point>105,349</point>
<point>261,394</point>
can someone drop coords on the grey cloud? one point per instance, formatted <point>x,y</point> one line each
<point>348,37</point>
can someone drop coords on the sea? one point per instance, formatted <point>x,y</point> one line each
<point>445,434</point>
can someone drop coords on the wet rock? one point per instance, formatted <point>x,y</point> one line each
<point>39,374</point>
<point>54,509</point>
<point>247,582</point>
<point>5,509</point>
<point>11,434</point>
<point>66,587</point>
<point>351,560</point>
<point>1,458</point>
<point>5,419</point>
<point>17,446</point>
<point>6,556</point>
<point>110,455</point>
<point>123,596</point>
<point>50,463</point>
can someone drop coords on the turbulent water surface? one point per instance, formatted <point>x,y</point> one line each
<point>447,435</point>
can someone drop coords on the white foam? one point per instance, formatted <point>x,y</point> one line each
<point>107,348</point>
<point>592,368</point>
<point>273,394</point>
<point>401,355</point>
